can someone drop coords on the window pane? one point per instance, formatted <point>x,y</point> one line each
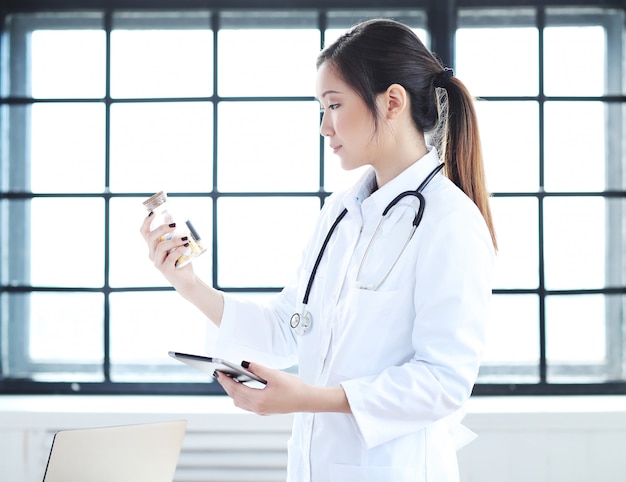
<point>516,222</point>
<point>575,242</point>
<point>267,62</point>
<point>616,243</point>
<point>58,320</point>
<point>256,155</point>
<point>511,148</point>
<point>338,21</point>
<point>15,247</point>
<point>161,63</point>
<point>68,63</point>
<point>615,147</point>
<point>44,328</point>
<point>66,242</point>
<point>67,148</point>
<point>512,348</point>
<point>144,327</point>
<point>261,239</point>
<point>574,60</point>
<point>575,329</point>
<point>486,56</point>
<point>161,147</point>
<point>575,166</point>
<point>129,264</point>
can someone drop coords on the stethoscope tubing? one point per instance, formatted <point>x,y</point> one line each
<point>416,221</point>
<point>320,255</point>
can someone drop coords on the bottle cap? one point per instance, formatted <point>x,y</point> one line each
<point>155,201</point>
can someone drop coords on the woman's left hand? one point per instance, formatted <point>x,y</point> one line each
<point>284,392</point>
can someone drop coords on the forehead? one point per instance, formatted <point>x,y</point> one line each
<point>329,81</point>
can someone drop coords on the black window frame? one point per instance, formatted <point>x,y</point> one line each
<point>442,20</point>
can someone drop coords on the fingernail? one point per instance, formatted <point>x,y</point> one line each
<point>216,375</point>
<point>186,245</point>
<point>172,225</point>
<point>245,364</point>
<point>150,213</point>
<point>184,238</point>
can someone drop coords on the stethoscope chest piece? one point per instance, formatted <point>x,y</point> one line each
<point>301,322</point>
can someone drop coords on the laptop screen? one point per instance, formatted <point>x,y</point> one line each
<point>127,453</point>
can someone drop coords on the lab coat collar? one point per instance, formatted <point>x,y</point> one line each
<point>361,190</point>
<point>408,180</point>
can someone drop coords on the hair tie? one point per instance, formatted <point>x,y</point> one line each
<point>442,79</point>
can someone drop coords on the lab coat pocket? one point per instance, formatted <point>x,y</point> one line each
<point>376,311</point>
<point>376,332</point>
<point>344,473</point>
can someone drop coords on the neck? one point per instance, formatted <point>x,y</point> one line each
<point>393,166</point>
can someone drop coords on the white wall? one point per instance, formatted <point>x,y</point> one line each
<point>539,439</point>
<point>546,439</point>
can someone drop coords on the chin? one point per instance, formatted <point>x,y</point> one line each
<point>350,166</point>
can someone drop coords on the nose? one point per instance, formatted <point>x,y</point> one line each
<point>326,128</point>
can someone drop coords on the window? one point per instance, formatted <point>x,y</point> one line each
<point>100,109</point>
<point>551,114</point>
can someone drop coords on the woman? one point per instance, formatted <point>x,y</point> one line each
<point>389,320</point>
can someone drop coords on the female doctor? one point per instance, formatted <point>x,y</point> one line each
<point>385,316</point>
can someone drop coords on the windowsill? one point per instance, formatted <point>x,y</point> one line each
<point>80,404</point>
<point>19,412</point>
<point>16,411</point>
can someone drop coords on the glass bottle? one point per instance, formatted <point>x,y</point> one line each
<point>164,214</point>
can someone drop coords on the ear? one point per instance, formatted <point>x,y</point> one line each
<point>395,100</point>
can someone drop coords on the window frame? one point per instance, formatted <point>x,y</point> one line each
<point>442,21</point>
<point>539,19</point>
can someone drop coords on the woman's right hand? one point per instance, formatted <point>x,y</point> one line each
<point>165,253</point>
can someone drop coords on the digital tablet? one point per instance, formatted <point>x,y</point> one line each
<point>210,364</point>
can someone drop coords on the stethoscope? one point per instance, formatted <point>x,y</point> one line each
<point>301,322</point>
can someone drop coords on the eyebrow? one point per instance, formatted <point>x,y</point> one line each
<point>330,92</point>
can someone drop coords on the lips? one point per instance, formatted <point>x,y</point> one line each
<point>335,148</point>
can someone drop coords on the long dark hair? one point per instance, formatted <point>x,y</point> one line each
<point>377,53</point>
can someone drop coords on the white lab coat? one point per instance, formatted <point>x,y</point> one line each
<point>406,355</point>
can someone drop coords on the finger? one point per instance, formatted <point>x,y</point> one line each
<point>145,226</point>
<point>160,232</point>
<point>244,397</point>
<point>230,386</point>
<point>258,369</point>
<point>167,252</point>
<point>160,242</point>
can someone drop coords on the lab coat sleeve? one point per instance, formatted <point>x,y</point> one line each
<point>257,332</point>
<point>260,332</point>
<point>452,295</point>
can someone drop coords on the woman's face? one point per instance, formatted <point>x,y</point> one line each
<point>347,123</point>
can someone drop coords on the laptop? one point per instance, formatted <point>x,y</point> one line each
<point>127,453</point>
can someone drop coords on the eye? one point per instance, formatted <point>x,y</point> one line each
<point>330,107</point>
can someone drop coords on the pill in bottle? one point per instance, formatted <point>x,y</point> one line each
<point>163,213</point>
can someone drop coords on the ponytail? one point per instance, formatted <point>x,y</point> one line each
<point>459,145</point>
<point>377,53</point>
